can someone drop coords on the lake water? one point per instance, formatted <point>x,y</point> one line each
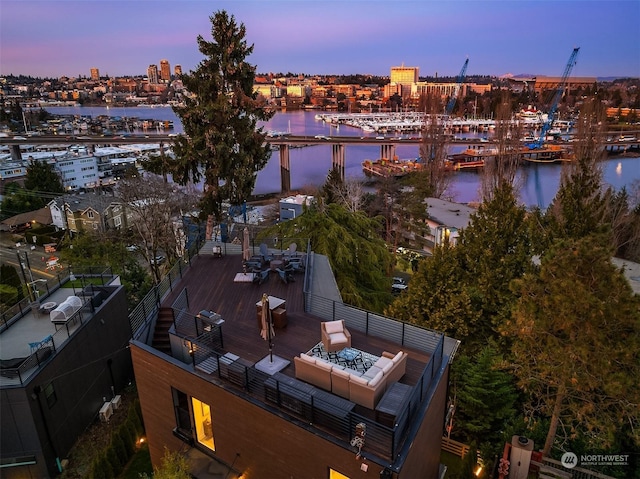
<point>310,165</point>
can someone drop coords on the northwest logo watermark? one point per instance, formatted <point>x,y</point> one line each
<point>571,460</point>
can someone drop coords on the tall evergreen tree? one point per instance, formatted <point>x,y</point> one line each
<point>41,178</point>
<point>579,207</point>
<point>464,291</point>
<point>438,299</point>
<point>497,249</point>
<point>577,347</point>
<point>221,140</point>
<point>485,400</point>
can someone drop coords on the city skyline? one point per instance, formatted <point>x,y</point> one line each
<point>44,39</point>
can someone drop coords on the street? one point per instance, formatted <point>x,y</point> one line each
<point>34,262</point>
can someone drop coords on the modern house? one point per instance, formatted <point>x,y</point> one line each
<point>216,382</point>
<point>61,363</point>
<point>445,220</point>
<point>293,206</point>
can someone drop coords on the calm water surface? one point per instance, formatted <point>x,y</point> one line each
<point>310,165</point>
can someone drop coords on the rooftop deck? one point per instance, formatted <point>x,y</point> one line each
<point>210,286</point>
<point>28,339</point>
<point>233,355</point>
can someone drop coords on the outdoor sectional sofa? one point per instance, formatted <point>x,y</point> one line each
<point>364,389</point>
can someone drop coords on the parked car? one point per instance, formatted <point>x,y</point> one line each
<point>159,259</point>
<point>132,248</point>
<point>398,285</point>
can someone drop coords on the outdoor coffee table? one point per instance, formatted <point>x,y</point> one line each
<point>349,355</point>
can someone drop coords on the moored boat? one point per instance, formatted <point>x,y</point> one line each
<point>385,168</point>
<point>471,158</point>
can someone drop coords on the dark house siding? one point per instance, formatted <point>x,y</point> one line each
<point>269,444</point>
<point>93,365</point>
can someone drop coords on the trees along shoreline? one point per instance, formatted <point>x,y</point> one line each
<point>567,325</point>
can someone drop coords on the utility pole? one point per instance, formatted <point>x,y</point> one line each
<point>29,284</point>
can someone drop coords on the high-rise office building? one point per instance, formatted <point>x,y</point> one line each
<point>95,74</point>
<point>165,71</point>
<point>404,75</point>
<point>177,70</point>
<point>152,73</point>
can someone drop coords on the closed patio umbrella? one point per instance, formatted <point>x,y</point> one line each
<point>246,253</point>
<point>267,331</point>
<point>209,231</point>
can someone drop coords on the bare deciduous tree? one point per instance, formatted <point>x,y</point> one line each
<point>350,194</point>
<point>503,167</point>
<point>153,210</point>
<point>433,148</point>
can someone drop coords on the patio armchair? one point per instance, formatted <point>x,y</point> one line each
<point>290,252</point>
<point>261,276</point>
<point>335,336</point>
<point>253,264</point>
<point>264,252</point>
<point>285,276</point>
<point>294,267</point>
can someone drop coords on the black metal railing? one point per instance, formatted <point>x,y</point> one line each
<point>303,402</point>
<point>48,346</point>
<point>142,317</point>
<point>46,288</point>
<point>374,324</point>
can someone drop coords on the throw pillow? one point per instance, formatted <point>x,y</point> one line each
<point>398,356</point>
<point>323,364</point>
<point>306,358</point>
<point>337,338</point>
<point>358,380</point>
<point>378,377</point>
<point>382,362</point>
<point>333,327</point>
<point>388,367</point>
<point>371,372</point>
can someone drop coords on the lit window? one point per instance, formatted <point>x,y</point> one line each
<point>202,419</point>
<point>336,475</point>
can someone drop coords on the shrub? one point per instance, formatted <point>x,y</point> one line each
<point>127,435</point>
<point>118,444</point>
<point>114,460</point>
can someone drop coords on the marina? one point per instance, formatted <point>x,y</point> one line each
<point>412,122</point>
<point>310,165</point>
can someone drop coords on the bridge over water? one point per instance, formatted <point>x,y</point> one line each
<point>284,143</point>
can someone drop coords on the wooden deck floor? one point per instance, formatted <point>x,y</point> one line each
<point>210,286</point>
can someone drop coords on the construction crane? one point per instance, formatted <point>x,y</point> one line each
<point>546,126</point>
<point>454,96</point>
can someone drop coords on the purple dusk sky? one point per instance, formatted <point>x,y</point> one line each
<point>69,37</point>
